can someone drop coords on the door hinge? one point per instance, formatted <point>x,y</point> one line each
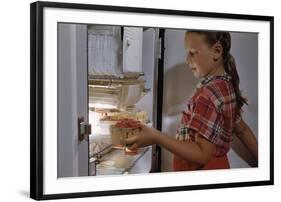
<point>84,129</point>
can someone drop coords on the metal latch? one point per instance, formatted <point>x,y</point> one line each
<point>84,129</point>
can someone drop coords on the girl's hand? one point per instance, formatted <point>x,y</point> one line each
<point>146,136</point>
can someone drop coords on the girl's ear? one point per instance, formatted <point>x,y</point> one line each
<point>217,51</point>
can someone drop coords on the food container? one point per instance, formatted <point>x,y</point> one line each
<point>118,135</point>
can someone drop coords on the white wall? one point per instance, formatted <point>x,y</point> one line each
<point>179,84</point>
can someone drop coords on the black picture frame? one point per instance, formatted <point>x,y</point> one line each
<point>37,101</point>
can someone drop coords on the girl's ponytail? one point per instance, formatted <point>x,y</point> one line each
<point>230,68</point>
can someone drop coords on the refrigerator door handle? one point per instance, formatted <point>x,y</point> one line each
<point>84,129</point>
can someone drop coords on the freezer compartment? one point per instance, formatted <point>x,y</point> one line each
<point>114,50</point>
<point>104,50</point>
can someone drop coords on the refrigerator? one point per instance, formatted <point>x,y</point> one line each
<point>107,72</point>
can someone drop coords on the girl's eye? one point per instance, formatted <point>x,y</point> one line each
<point>191,53</point>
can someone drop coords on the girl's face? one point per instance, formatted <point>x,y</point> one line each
<point>199,55</point>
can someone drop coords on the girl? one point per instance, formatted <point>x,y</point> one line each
<point>212,114</point>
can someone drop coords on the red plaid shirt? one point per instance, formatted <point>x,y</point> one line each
<point>211,113</point>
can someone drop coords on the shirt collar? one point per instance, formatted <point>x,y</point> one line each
<point>209,78</point>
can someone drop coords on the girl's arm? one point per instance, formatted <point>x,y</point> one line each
<point>247,137</point>
<point>199,152</point>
